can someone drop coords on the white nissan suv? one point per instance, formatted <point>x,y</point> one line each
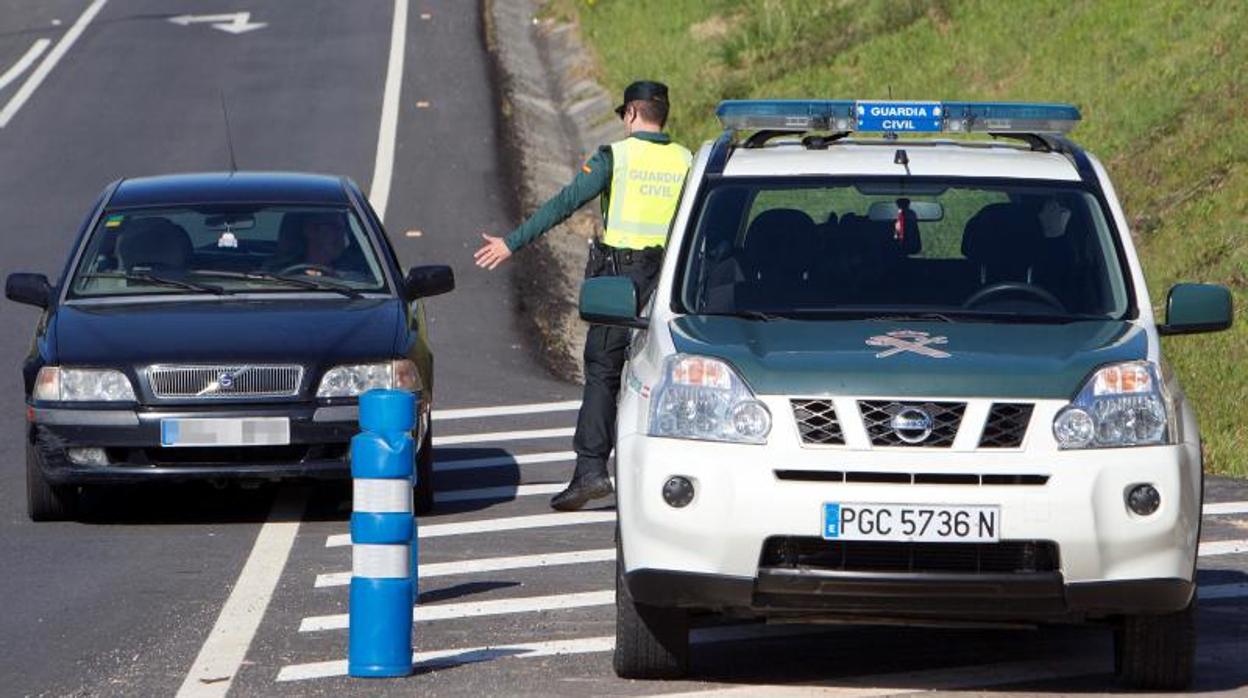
<point>910,378</point>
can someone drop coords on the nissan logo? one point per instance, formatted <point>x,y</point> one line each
<point>912,425</point>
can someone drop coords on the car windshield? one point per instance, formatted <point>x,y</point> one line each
<point>922,247</point>
<point>227,249</point>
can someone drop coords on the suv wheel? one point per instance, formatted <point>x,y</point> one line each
<point>1156,652</point>
<point>422,496</point>
<point>45,501</point>
<point>650,642</point>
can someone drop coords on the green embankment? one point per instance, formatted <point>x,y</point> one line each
<point>1161,84</point>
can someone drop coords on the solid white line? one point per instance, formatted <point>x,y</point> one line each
<point>222,653</point>
<point>513,523</point>
<point>491,564</point>
<point>503,436</point>
<point>505,410</point>
<point>503,461</point>
<point>476,609</point>
<point>1223,547</point>
<point>1222,508</point>
<point>387,132</point>
<point>490,493</point>
<point>32,54</point>
<point>49,62</point>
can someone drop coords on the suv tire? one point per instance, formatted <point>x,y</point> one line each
<point>650,642</point>
<point>45,501</point>
<point>422,496</point>
<point>1156,652</point>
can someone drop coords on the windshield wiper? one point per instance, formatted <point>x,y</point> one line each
<point>157,280</point>
<point>915,317</point>
<point>749,315</point>
<point>296,282</point>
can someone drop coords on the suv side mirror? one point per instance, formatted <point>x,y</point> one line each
<point>611,300</point>
<point>31,289</point>
<point>432,280</point>
<point>1195,308</point>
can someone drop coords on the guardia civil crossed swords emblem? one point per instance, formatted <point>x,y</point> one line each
<point>900,341</point>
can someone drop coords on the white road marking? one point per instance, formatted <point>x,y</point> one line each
<point>503,461</point>
<point>1223,547</point>
<point>508,410</point>
<point>1224,508</point>
<point>32,54</point>
<point>49,62</point>
<point>491,493</point>
<point>235,23</point>
<point>387,132</point>
<point>476,609</point>
<point>491,564</point>
<point>1222,591</point>
<point>222,653</point>
<point>492,436</point>
<point>514,523</point>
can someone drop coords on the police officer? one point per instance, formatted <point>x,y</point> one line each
<point>639,180</point>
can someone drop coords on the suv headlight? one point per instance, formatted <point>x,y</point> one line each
<point>356,379</point>
<point>1120,405</point>
<point>58,384</point>
<point>704,398</point>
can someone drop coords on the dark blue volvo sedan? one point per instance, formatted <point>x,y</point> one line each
<point>219,327</point>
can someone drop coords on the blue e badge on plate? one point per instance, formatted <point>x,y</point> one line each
<point>831,520</point>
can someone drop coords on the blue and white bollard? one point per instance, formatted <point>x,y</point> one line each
<point>383,532</point>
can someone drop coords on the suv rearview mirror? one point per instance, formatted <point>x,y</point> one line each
<point>1195,308</point>
<point>432,280</point>
<point>31,289</point>
<point>610,300</point>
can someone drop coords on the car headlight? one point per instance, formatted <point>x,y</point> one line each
<point>82,385</point>
<point>1120,405</point>
<point>356,379</point>
<point>704,398</point>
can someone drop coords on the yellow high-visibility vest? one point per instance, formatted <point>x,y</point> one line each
<point>646,181</point>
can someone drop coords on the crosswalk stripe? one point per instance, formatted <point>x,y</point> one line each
<point>1224,508</point>
<point>1223,547</point>
<point>476,609</point>
<point>1222,591</point>
<point>513,523</point>
<point>503,492</point>
<point>502,461</point>
<point>507,410</point>
<point>492,436</point>
<point>492,564</point>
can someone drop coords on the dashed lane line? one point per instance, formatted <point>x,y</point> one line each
<point>1223,547</point>
<point>507,410</point>
<point>503,461</point>
<point>49,62</point>
<point>1225,508</point>
<point>32,54</point>
<point>495,436</point>
<point>513,523</point>
<point>496,493</point>
<point>492,564</point>
<point>476,609</point>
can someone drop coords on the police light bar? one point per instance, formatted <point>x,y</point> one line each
<point>896,117</point>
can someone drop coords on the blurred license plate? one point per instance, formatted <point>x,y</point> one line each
<point>246,431</point>
<point>911,522</point>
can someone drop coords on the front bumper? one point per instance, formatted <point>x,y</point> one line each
<point>319,445</point>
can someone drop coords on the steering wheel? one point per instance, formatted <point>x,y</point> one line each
<point>1032,290</point>
<point>304,268</point>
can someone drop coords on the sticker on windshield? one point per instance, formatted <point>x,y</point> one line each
<point>113,221</point>
<point>900,341</point>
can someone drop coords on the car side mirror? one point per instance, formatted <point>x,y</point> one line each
<point>31,289</point>
<point>611,300</point>
<point>1195,308</point>
<point>431,280</point>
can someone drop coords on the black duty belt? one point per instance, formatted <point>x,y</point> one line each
<point>624,257</point>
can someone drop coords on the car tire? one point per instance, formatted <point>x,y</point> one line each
<point>45,501</point>
<point>422,495</point>
<point>1156,652</point>
<point>650,642</point>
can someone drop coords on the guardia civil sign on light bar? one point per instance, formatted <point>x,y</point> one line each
<point>897,117</point>
<point>888,116</point>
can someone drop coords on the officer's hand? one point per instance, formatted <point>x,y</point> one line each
<point>493,253</point>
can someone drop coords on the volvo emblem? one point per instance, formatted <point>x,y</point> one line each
<point>912,425</point>
<point>225,380</point>
<point>908,340</point>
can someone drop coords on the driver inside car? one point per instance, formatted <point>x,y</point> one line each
<point>312,244</point>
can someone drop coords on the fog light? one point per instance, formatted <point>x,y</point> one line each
<point>87,456</point>
<point>678,491</point>
<point>1143,499</point>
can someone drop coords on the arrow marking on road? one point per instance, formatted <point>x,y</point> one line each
<point>233,23</point>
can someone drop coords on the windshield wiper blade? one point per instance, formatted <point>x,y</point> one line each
<point>915,317</point>
<point>749,315</point>
<point>157,280</point>
<point>296,282</point>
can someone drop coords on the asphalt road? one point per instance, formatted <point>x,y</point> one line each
<point>123,605</point>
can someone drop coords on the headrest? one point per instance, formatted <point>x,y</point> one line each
<point>776,224</point>
<point>999,232</point>
<point>153,242</point>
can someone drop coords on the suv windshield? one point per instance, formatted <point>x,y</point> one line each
<point>227,249</point>
<point>932,248</point>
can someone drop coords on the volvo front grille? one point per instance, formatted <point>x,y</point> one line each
<point>224,381</point>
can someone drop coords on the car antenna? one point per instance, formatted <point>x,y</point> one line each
<point>229,140</point>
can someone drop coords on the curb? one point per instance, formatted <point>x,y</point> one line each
<point>555,116</point>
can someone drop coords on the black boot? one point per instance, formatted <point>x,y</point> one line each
<point>582,489</point>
